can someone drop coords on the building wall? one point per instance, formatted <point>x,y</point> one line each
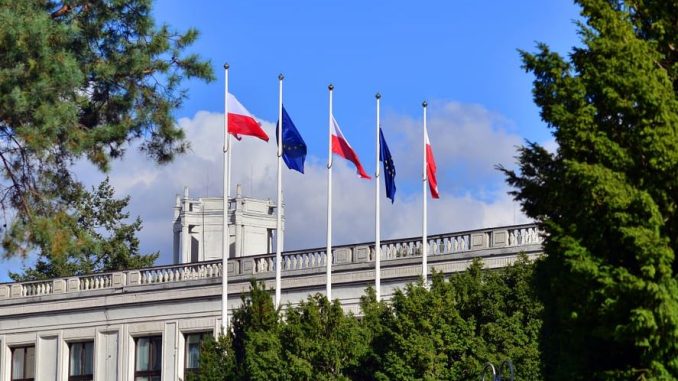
<point>171,301</point>
<point>198,227</point>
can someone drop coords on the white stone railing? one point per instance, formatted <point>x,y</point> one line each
<point>304,260</point>
<point>177,273</point>
<point>437,245</point>
<point>442,244</point>
<point>313,260</point>
<point>528,235</point>
<point>36,288</point>
<point>96,282</point>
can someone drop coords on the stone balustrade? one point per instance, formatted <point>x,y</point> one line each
<point>34,288</point>
<point>178,273</point>
<point>95,282</point>
<point>308,261</point>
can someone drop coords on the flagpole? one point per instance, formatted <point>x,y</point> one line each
<point>329,202</point>
<point>225,239</point>
<point>278,240</point>
<point>424,263</point>
<point>377,213</point>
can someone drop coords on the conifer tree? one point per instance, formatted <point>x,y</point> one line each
<point>103,239</point>
<point>607,197</point>
<point>81,79</point>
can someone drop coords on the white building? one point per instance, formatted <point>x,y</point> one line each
<point>198,227</point>
<point>147,324</point>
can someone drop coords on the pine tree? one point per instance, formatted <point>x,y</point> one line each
<point>607,197</point>
<point>103,240</point>
<point>80,79</point>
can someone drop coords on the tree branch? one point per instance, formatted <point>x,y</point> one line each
<point>62,11</point>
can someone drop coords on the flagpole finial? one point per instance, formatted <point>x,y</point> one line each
<point>424,104</point>
<point>226,65</point>
<point>378,95</point>
<point>330,87</point>
<point>281,76</point>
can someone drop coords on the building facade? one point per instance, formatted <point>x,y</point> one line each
<point>147,324</point>
<point>198,227</point>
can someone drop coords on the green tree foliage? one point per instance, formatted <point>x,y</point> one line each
<point>255,338</point>
<point>607,198</point>
<point>321,342</point>
<point>80,79</point>
<point>316,340</point>
<point>446,331</point>
<point>216,362</point>
<point>104,241</point>
<point>505,312</point>
<point>426,337</point>
<point>450,329</point>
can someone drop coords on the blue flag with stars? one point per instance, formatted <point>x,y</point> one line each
<point>389,167</point>
<point>293,146</point>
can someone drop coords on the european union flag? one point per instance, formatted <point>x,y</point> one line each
<point>293,146</point>
<point>389,167</point>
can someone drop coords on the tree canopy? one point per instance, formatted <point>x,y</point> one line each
<point>81,79</point>
<point>443,332</point>
<point>105,241</point>
<point>606,198</point>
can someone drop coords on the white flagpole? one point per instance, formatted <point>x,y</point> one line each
<point>424,246</point>
<point>225,239</point>
<point>278,240</point>
<point>329,203</point>
<point>377,213</point>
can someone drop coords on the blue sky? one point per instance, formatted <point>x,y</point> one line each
<point>462,56</point>
<point>464,51</point>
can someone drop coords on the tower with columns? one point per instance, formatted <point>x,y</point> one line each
<point>198,227</point>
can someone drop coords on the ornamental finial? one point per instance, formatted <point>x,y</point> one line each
<point>226,65</point>
<point>424,104</point>
<point>281,76</point>
<point>378,95</point>
<point>330,87</point>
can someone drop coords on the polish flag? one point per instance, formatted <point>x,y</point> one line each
<point>341,147</point>
<point>241,122</point>
<point>431,170</point>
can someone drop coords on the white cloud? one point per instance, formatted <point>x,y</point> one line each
<point>468,141</point>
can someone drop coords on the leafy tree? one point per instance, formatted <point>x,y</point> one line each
<point>321,342</point>
<point>450,329</point>
<point>80,79</point>
<point>426,338</point>
<point>607,197</point>
<point>316,340</point>
<point>376,315</point>
<point>102,239</point>
<point>216,361</point>
<point>445,332</point>
<point>255,337</point>
<point>505,311</point>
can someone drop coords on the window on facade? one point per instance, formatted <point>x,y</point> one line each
<point>23,363</point>
<point>192,355</point>
<point>81,358</point>
<point>148,358</point>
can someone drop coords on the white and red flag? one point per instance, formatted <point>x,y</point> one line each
<point>241,122</point>
<point>341,147</point>
<point>431,170</point>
